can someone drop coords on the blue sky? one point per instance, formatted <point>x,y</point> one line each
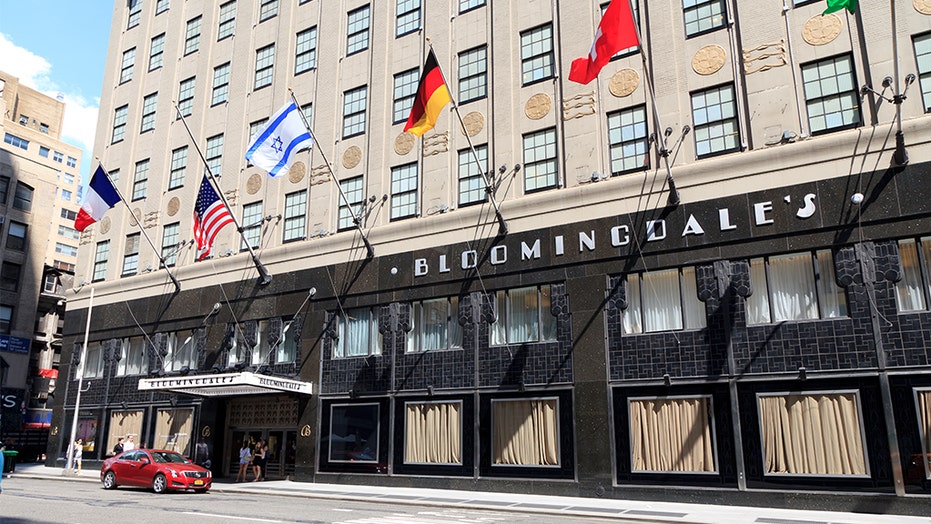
<point>60,47</point>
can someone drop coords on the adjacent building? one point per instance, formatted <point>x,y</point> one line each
<point>704,275</point>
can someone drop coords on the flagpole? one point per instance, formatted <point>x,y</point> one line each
<point>264,277</point>
<point>489,190</point>
<point>356,219</point>
<point>77,398</point>
<point>161,259</point>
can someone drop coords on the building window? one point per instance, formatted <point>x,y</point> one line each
<point>131,255</point>
<point>68,232</point>
<point>170,235</point>
<point>65,249</point>
<point>911,292</point>
<point>66,195</point>
<point>831,94</point>
<point>93,360</point>
<point>408,17</point>
<point>148,113</point>
<point>44,151</point>
<point>101,255</point>
<point>4,189</point>
<point>627,136</point>
<point>357,31</point>
<point>16,141</point>
<point>251,225</point>
<point>268,9</point>
<point>471,182</point>
<point>433,433</point>
<point>635,11</point>
<point>214,154</point>
<point>156,52</point>
<point>221,84</point>
<point>536,54</point>
<point>354,433</point>
<point>540,167</point>
<point>141,179</point>
<point>358,334</point>
<point>523,315</point>
<point>178,165</point>
<point>23,120</point>
<point>264,66</point>
<point>133,353</point>
<point>57,156</point>
<point>192,35</point>
<point>52,284</point>
<point>663,301</point>
<point>672,434</point>
<point>115,176</point>
<point>473,74</point>
<point>16,236</point>
<point>405,89</point>
<point>182,351</point>
<point>305,54</point>
<point>923,402</point>
<point>714,113</point>
<point>923,59</point>
<point>186,96</point>
<point>525,432</point>
<point>135,13</point>
<point>9,276</point>
<point>404,191</point>
<point>119,123</point>
<point>22,199</point>
<point>353,189</point>
<point>43,128</point>
<point>6,320</point>
<point>797,286</point>
<point>126,66</point>
<point>295,213</point>
<point>68,177</point>
<point>817,433</point>
<point>227,20</point>
<point>72,162</point>
<point>435,325</point>
<point>468,5</point>
<point>161,6</point>
<point>354,104</point>
<point>67,214</point>
<point>702,16</point>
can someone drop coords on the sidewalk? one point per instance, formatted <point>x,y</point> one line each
<point>644,511</point>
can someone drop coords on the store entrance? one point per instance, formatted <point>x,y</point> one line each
<point>281,450</point>
<point>272,418</point>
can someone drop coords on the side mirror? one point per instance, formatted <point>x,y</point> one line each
<point>144,460</point>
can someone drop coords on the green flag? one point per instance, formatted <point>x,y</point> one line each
<point>837,5</point>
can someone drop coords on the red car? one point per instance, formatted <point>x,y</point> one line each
<point>160,470</point>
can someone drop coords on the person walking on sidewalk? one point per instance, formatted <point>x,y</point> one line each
<point>129,445</point>
<point>258,461</point>
<point>118,447</point>
<point>2,447</point>
<point>245,460</point>
<point>77,453</point>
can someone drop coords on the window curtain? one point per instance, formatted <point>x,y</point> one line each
<point>792,287</point>
<point>433,433</point>
<point>832,298</point>
<point>548,321</point>
<point>908,291</point>
<point>354,338</point>
<point>173,430</point>
<point>433,320</point>
<point>924,419</point>
<point>455,330</point>
<point>522,315</point>
<point>671,435</point>
<point>758,302</point>
<point>815,434</point>
<point>525,432</point>
<point>693,309</point>
<point>123,424</point>
<point>632,315</point>
<point>287,348</point>
<point>662,304</point>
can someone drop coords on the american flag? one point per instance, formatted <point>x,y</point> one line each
<point>210,215</point>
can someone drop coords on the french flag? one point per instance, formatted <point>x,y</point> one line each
<point>101,196</point>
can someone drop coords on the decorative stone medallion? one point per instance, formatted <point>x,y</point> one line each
<point>474,123</point>
<point>297,172</point>
<point>404,143</point>
<point>709,60</point>
<point>132,218</point>
<point>105,225</point>
<point>821,29</point>
<point>538,106</point>
<point>922,6</point>
<point>624,82</point>
<point>173,206</point>
<point>351,157</point>
<point>254,184</point>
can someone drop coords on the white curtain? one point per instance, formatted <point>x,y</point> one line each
<point>354,340</point>
<point>433,321</point>
<point>671,435</point>
<point>832,298</point>
<point>455,330</point>
<point>909,292</point>
<point>548,321</point>
<point>522,319</point>
<point>758,302</point>
<point>792,287</point>
<point>662,304</point>
<point>632,315</point>
<point>525,432</point>
<point>499,327</point>
<point>433,433</point>
<point>693,309</point>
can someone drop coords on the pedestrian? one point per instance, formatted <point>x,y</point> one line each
<point>245,459</point>
<point>258,461</point>
<point>2,447</point>
<point>77,453</point>
<point>264,464</point>
<point>201,453</point>
<point>129,445</point>
<point>118,448</point>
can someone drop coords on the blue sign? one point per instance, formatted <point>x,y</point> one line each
<point>14,344</point>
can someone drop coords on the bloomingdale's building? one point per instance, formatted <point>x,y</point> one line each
<point>763,340</point>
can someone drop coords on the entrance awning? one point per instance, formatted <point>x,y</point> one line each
<point>226,385</point>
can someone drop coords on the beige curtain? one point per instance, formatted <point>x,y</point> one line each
<point>526,432</point>
<point>123,424</point>
<point>434,433</point>
<point>817,434</point>
<point>671,435</point>
<point>924,414</point>
<point>173,430</point>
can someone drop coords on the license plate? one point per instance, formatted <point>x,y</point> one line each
<point>198,482</point>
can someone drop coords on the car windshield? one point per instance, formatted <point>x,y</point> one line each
<point>169,457</point>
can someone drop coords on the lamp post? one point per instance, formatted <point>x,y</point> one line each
<point>77,399</point>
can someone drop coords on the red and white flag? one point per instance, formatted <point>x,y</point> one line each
<point>615,32</point>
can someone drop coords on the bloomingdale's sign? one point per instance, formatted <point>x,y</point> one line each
<point>618,236</point>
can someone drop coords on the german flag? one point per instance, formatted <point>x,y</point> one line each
<point>432,95</point>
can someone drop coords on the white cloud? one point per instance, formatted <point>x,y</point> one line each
<point>35,71</point>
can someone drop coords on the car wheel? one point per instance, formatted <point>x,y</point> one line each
<point>109,480</point>
<point>160,484</point>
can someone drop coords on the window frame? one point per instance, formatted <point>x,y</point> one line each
<point>20,241</point>
<point>543,323</point>
<point>695,6</point>
<point>557,437</point>
<point>156,56</point>
<point>186,89</point>
<point>708,125</point>
<point>127,64</point>
<point>354,190</point>
<point>252,231</point>
<point>415,337</point>
<point>295,217</point>
<point>374,339</point>
<point>765,289</point>
<point>923,67</point>
<point>358,24</point>
<point>268,9</point>
<point>537,65</point>
<point>404,94</point>
<point>192,34</point>
<point>405,443</point>
<point>101,257</point>
<point>711,427</point>
<point>473,71</point>
<point>149,105</point>
<point>226,20</point>
<point>219,93</point>
<point>405,196</point>
<point>170,235</point>
<point>23,196</point>
<point>625,135</point>
<point>410,20</point>
<point>355,111</point>
<point>532,160</point>
<point>120,115</point>
<point>264,67</point>
<point>140,180</point>
<point>305,50</point>
<point>637,303</point>
<point>131,255</point>
<point>832,98</point>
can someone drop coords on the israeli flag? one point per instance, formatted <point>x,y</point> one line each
<point>273,147</point>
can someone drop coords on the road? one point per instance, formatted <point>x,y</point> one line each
<point>37,501</point>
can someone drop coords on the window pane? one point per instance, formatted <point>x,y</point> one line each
<point>662,308</point>
<point>792,287</point>
<point>354,433</point>
<point>525,432</point>
<point>433,433</point>
<point>672,434</point>
<point>909,292</point>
